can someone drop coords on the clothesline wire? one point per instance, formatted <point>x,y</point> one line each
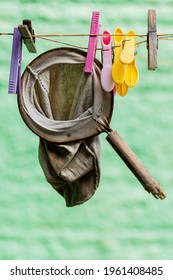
<point>63,43</point>
<point>47,38</point>
<point>85,48</point>
<point>87,35</point>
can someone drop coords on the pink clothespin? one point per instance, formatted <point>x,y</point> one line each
<point>92,45</point>
<point>106,73</point>
<point>15,68</point>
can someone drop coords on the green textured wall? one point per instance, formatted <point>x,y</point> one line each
<point>121,221</point>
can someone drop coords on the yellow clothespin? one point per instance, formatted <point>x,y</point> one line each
<point>128,57</point>
<point>118,68</point>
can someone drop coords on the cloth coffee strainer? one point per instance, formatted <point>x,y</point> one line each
<point>68,109</point>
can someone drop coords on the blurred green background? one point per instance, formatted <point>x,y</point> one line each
<point>121,221</point>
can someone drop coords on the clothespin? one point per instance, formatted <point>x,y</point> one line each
<point>26,33</point>
<point>15,68</point>
<point>106,72</point>
<point>152,41</point>
<point>92,44</point>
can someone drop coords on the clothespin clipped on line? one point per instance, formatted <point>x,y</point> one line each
<point>106,72</point>
<point>24,32</point>
<point>152,40</point>
<point>27,34</point>
<point>93,40</point>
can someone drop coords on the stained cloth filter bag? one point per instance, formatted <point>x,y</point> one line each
<point>67,109</point>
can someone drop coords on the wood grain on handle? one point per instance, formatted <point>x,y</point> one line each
<point>135,165</point>
<point>152,40</point>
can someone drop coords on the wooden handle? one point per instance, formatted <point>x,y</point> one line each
<point>135,165</point>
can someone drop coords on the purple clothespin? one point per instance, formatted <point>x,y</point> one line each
<point>92,45</point>
<point>15,68</point>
